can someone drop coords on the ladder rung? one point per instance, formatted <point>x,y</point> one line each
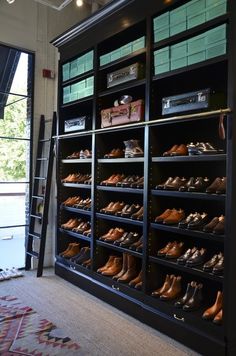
<point>38,197</point>
<point>45,140</point>
<point>42,159</point>
<point>36,216</point>
<point>35,234</point>
<point>40,178</point>
<point>33,254</point>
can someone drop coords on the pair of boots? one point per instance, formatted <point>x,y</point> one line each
<point>72,250</point>
<point>215,312</point>
<point>112,266</point>
<point>133,149</point>
<point>171,288</point>
<point>192,298</point>
<point>128,271</point>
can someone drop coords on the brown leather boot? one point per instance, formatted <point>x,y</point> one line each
<point>124,267</point>
<point>131,270</point>
<point>73,251</point>
<point>107,265</point>
<point>218,318</point>
<point>165,286</point>
<point>211,312</point>
<point>136,280</point>
<point>115,268</point>
<point>174,290</point>
<point>68,249</point>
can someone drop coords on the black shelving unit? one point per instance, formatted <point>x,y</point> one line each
<point>156,134</point>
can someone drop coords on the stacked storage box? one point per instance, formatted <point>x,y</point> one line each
<point>123,51</point>
<point>78,66</point>
<point>78,90</point>
<point>187,16</point>
<point>208,45</point>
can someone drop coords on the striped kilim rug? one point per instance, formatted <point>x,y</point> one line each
<point>23,332</point>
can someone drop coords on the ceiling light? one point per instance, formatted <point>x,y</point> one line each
<point>79,2</point>
<point>10,1</point>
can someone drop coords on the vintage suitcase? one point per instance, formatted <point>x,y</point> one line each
<point>197,100</point>
<point>123,114</point>
<point>123,75</point>
<point>77,124</point>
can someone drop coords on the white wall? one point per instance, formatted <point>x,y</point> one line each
<point>31,26</point>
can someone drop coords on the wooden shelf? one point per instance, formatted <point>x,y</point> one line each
<point>188,195</point>
<point>118,248</point>
<point>122,87</point>
<point>120,189</point>
<point>119,219</point>
<point>196,158</point>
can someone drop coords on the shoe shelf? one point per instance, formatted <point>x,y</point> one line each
<point>119,219</point>
<point>75,234</point>
<point>78,78</point>
<point>192,270</point>
<point>73,267</point>
<point>87,99</point>
<point>82,160</point>
<point>118,248</point>
<point>191,319</point>
<point>190,32</point>
<point>192,67</point>
<point>188,232</point>
<point>121,160</point>
<point>191,195</point>
<point>202,158</point>
<point>77,185</point>
<point>121,289</point>
<point>120,189</point>
<point>122,87</point>
<point>133,56</point>
<point>76,210</point>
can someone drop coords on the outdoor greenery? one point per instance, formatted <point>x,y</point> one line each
<point>13,152</point>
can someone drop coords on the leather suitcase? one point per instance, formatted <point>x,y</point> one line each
<point>133,72</point>
<point>123,114</point>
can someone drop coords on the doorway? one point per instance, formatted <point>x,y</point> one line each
<point>16,93</point>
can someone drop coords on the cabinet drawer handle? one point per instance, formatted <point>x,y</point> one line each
<point>180,319</point>
<point>116,288</point>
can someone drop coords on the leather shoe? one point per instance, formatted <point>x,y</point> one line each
<point>198,222</point>
<point>219,266</point>
<point>219,229</point>
<point>163,216</point>
<point>199,185</point>
<point>175,217</point>
<point>195,301</point>
<point>184,258</point>
<point>208,266</point>
<point>175,251</point>
<point>197,259</point>
<point>175,184</point>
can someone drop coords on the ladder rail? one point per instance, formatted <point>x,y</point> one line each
<point>43,218</point>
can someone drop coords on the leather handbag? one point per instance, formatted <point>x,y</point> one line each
<point>123,114</point>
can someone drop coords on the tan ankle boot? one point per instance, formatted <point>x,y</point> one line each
<point>211,312</point>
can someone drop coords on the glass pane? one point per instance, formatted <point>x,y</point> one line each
<point>12,249</point>
<point>14,160</point>
<point>12,207</point>
<point>19,84</point>
<point>16,120</point>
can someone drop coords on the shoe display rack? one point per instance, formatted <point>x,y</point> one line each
<point>145,209</point>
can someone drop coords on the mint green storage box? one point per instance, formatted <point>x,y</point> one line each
<point>196,20</point>
<point>89,82</point>
<point>215,50</point>
<point>178,50</point>
<point>74,68</point>
<point>66,71</point>
<point>196,44</point>
<point>161,21</point>
<point>178,63</point>
<point>216,34</point>
<point>216,10</point>
<point>66,94</point>
<point>161,34</point>
<point>73,96</point>
<point>105,59</point>
<point>195,7</point>
<point>126,50</point>
<point>178,20</point>
<point>81,68</point>
<point>88,92</point>
<point>138,44</point>
<point>115,55</point>
<point>196,57</point>
<point>161,56</point>
<point>162,68</point>
<point>88,61</point>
